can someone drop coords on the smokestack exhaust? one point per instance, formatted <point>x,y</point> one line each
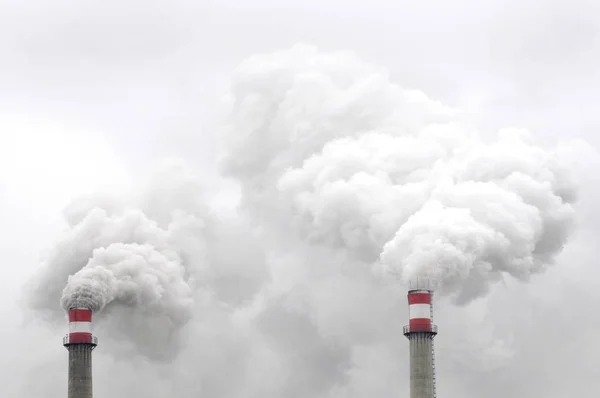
<point>420,332</point>
<point>80,342</point>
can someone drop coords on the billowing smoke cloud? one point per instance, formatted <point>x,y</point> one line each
<point>114,255</point>
<point>344,176</point>
<point>355,162</point>
<point>132,274</point>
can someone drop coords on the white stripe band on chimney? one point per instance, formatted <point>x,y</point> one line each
<point>419,311</point>
<point>80,327</point>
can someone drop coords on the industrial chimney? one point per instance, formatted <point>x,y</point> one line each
<point>80,342</point>
<point>420,332</point>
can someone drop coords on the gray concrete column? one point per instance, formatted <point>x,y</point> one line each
<point>421,365</point>
<point>80,371</point>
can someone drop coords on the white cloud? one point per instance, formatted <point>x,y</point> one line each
<point>107,90</point>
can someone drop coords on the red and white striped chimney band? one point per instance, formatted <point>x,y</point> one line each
<point>419,310</point>
<point>80,326</point>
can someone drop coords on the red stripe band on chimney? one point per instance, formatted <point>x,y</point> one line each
<point>80,338</point>
<point>80,315</point>
<point>420,325</point>
<point>419,298</point>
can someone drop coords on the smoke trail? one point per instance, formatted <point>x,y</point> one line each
<point>116,257</point>
<point>341,172</point>
<point>131,274</point>
<point>358,163</point>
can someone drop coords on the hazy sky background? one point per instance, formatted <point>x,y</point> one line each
<point>94,94</point>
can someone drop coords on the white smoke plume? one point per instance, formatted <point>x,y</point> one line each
<point>343,174</point>
<point>353,161</point>
<point>114,255</point>
<point>131,274</point>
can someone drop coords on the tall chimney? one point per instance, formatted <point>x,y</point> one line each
<point>420,333</point>
<point>80,342</point>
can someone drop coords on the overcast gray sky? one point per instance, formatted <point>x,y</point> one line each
<point>93,95</point>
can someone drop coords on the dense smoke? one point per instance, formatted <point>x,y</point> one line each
<point>344,177</point>
<point>132,274</point>
<point>116,255</point>
<point>355,162</point>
